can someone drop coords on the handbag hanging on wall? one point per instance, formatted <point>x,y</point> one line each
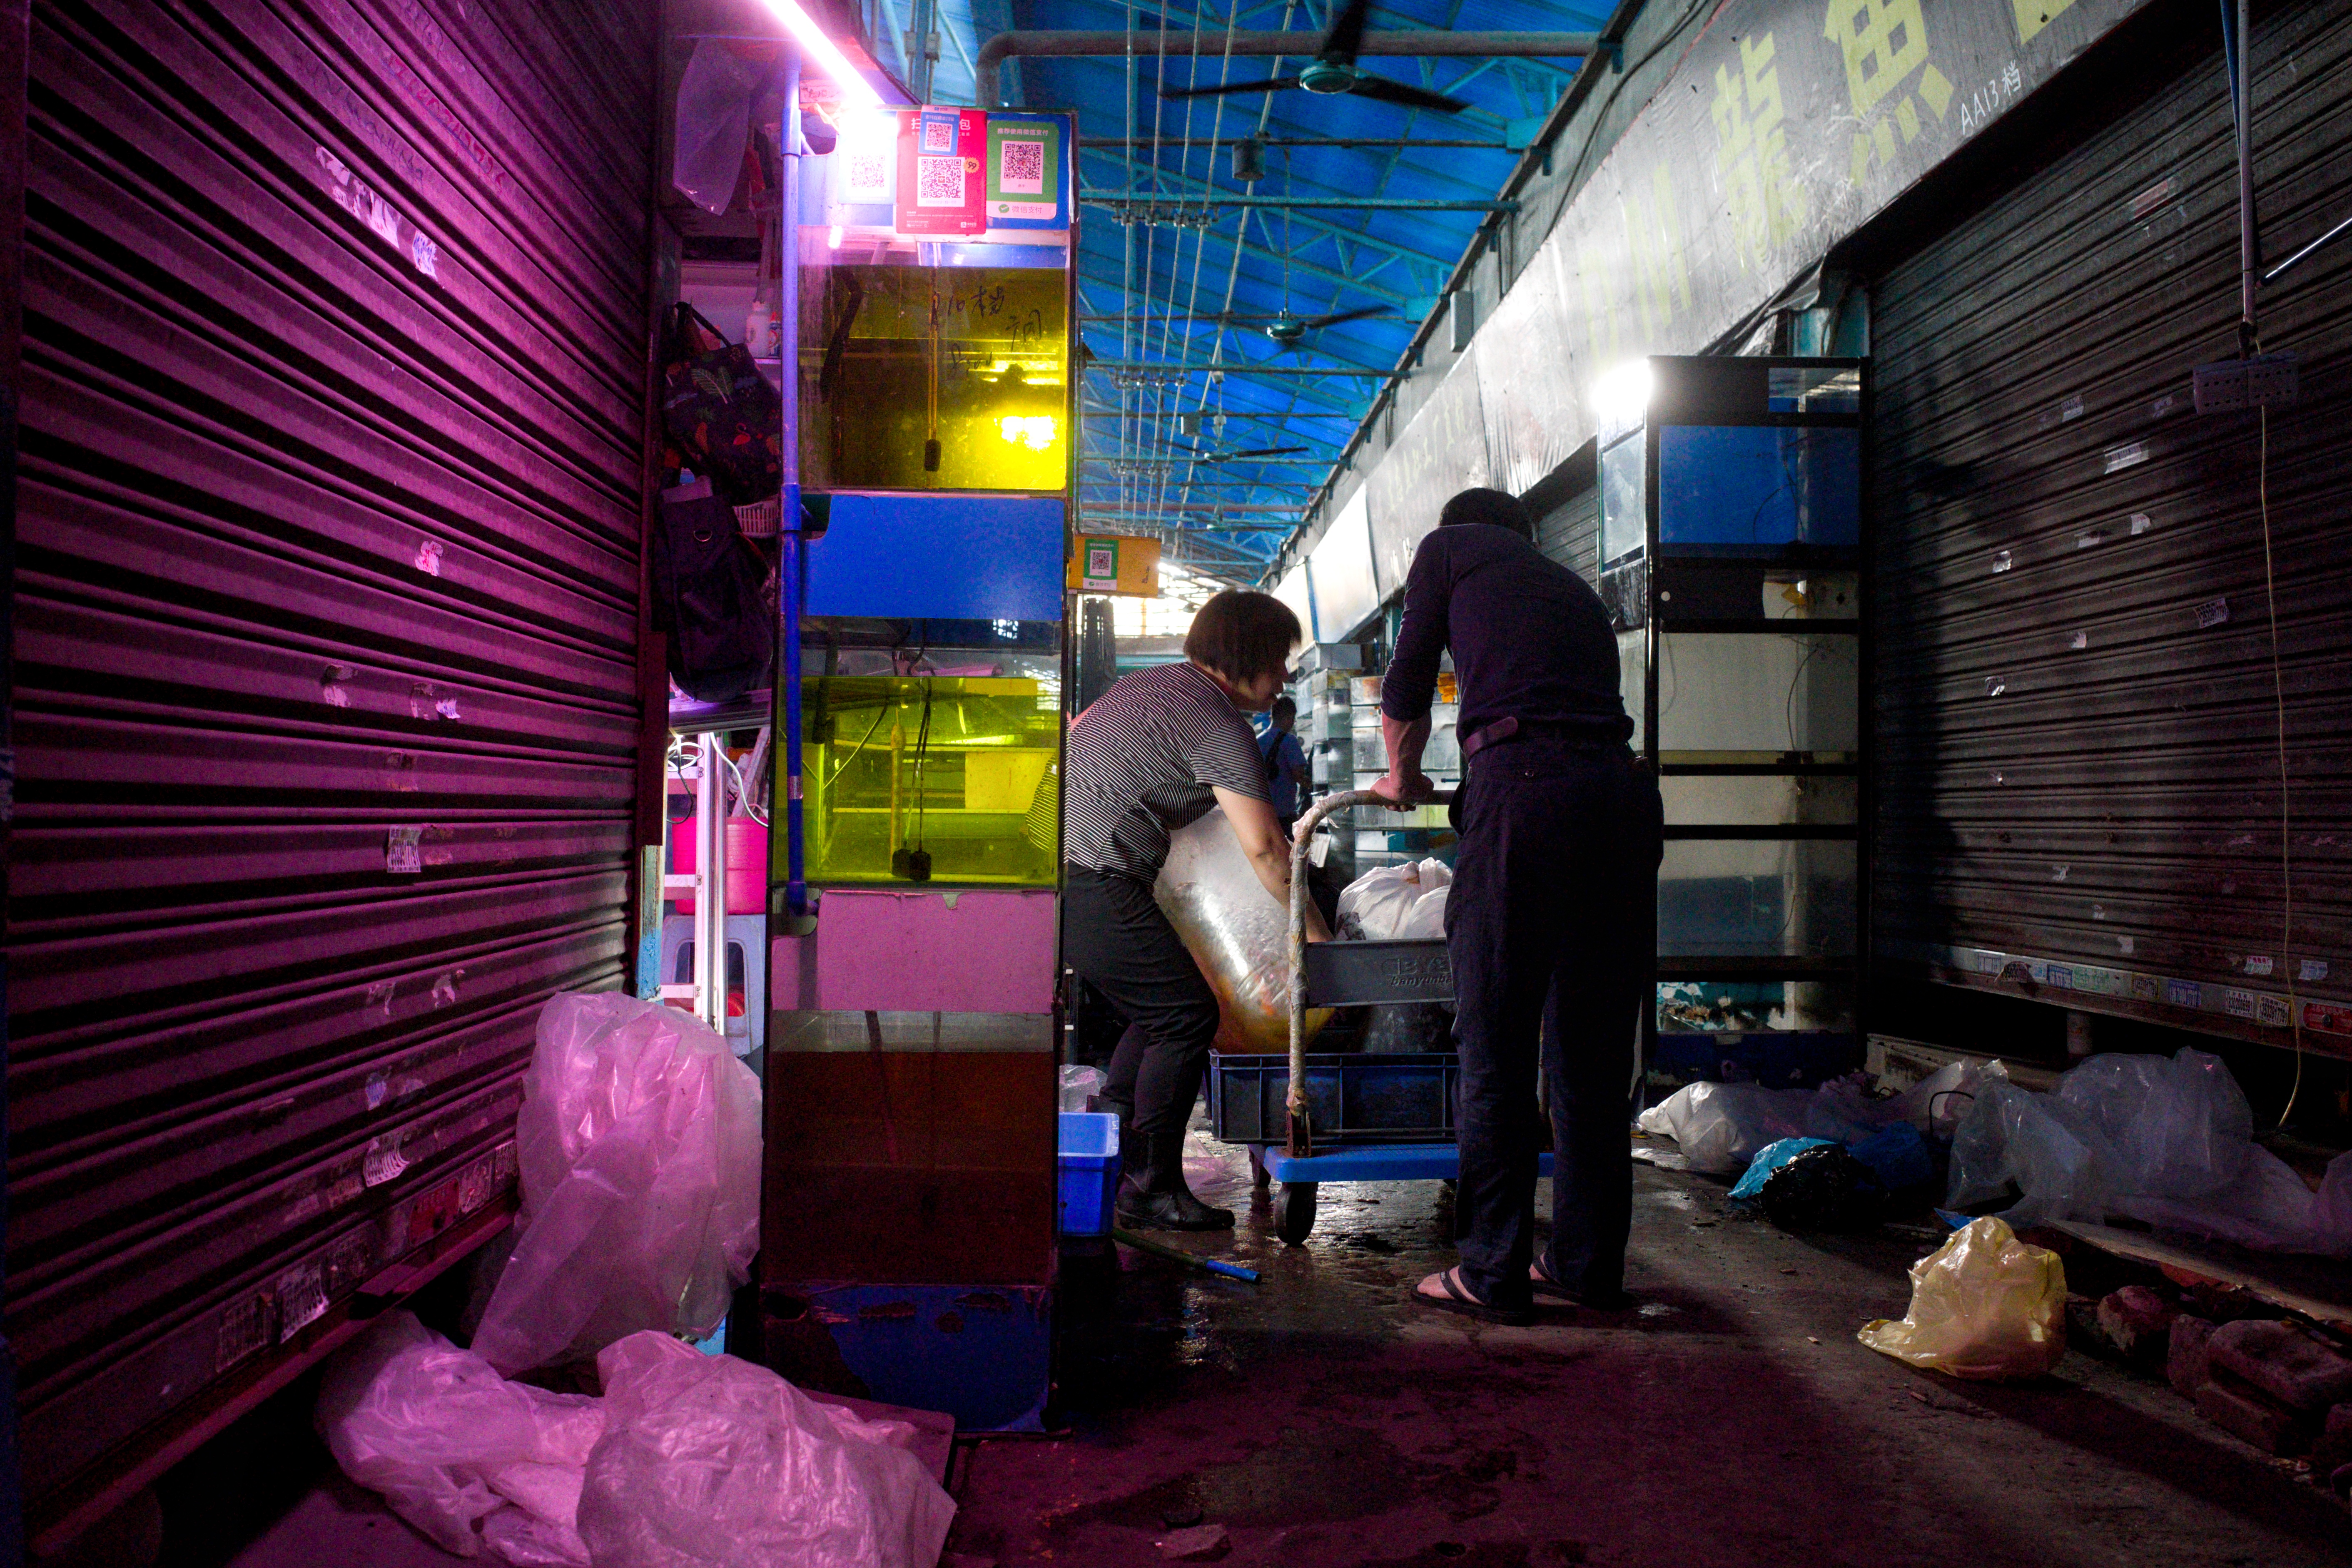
<point>720,411</point>
<point>706,596</point>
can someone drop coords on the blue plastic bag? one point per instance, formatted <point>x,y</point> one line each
<point>1897,1157</point>
<point>1770,1158</point>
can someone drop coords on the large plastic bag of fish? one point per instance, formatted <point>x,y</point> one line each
<point>1983,1305</point>
<point>469,1458</point>
<point>712,1462</point>
<point>1237,931</point>
<point>639,1145</point>
<point>1719,1127</point>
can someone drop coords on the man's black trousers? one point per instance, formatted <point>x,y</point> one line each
<point>1549,927</point>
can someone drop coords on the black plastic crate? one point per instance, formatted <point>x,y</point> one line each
<point>1352,1098</point>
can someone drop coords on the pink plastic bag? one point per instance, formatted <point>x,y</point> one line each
<point>712,1462</point>
<point>639,1143</point>
<point>451,1445</point>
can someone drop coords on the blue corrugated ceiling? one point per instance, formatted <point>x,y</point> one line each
<point>1150,291</point>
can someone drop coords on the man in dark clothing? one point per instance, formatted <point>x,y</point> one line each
<point>1549,922</point>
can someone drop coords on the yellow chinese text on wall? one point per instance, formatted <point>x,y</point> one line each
<point>1887,72</point>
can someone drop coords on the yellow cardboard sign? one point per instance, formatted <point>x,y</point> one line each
<point>1106,563</point>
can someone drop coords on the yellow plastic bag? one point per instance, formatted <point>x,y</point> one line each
<point>1984,1304</point>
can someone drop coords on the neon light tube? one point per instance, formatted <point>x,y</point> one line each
<point>827,53</point>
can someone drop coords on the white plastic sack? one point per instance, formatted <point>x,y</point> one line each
<point>639,1143</point>
<point>1425,921</point>
<point>712,1462</point>
<point>451,1445</point>
<point>1720,1127</point>
<point>1376,906</point>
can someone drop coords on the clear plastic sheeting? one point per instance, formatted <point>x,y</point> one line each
<point>1237,931</point>
<point>2165,1141</point>
<point>1983,1305</point>
<point>639,1143</point>
<point>2177,1126</point>
<point>712,1462</point>
<point>470,1460</point>
<point>1080,1085</point>
<point>714,122</point>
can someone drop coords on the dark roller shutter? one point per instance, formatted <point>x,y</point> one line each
<point>326,664</point>
<point>2078,739</point>
<point>1570,534</point>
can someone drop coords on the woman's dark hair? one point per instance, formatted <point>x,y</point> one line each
<point>1492,506</point>
<point>1243,635</point>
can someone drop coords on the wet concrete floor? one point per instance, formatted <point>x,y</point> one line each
<point>1733,1419</point>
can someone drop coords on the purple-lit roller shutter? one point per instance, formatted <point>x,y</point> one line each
<point>2078,725</point>
<point>326,666</point>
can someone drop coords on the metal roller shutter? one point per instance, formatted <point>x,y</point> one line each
<point>325,681</point>
<point>2079,769</point>
<point>1571,535</point>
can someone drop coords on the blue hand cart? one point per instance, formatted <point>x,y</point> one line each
<point>1343,1116</point>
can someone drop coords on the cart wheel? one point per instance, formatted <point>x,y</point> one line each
<point>1293,1212</point>
<point>1259,1175</point>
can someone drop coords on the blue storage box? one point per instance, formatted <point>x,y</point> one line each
<point>1089,1171</point>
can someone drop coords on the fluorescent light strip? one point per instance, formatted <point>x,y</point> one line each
<point>854,87</point>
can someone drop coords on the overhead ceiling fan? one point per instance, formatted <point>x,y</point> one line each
<point>1289,329</point>
<point>1334,70</point>
<point>1252,451</point>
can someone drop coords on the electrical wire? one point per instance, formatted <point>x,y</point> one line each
<point>2287,811</point>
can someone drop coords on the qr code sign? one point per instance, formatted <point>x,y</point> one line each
<point>1022,168</point>
<point>869,175</point>
<point>939,133</point>
<point>939,181</point>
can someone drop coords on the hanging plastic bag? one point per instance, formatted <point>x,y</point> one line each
<point>1375,907</point>
<point>639,1143</point>
<point>712,1462</point>
<point>1719,1127</point>
<point>714,122</point>
<point>1983,1305</point>
<point>451,1445</point>
<point>1237,933</point>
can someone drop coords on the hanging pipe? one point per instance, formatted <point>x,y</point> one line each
<point>2242,100</point>
<point>790,545</point>
<point>1419,43</point>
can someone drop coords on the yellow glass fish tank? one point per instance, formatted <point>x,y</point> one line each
<point>935,377</point>
<point>915,779</point>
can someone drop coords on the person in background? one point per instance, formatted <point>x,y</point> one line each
<point>1549,922</point>
<point>1155,753</point>
<point>1286,762</point>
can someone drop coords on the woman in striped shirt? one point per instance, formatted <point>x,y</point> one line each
<point>1155,753</point>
